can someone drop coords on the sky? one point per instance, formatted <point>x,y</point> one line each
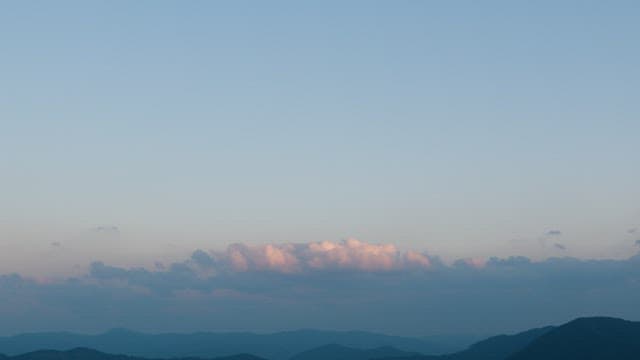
<point>270,150</point>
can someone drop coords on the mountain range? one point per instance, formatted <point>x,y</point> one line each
<point>584,338</point>
<point>276,346</point>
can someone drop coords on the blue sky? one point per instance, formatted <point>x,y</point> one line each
<point>137,132</point>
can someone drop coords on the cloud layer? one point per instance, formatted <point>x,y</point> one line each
<point>349,284</point>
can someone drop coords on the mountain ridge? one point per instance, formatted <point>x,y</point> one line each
<point>586,338</point>
<point>582,338</point>
<point>82,353</point>
<point>275,346</point>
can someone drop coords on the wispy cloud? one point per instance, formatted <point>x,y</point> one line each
<point>106,230</point>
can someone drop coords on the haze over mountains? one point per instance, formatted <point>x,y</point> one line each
<point>584,338</point>
<point>339,352</point>
<point>90,354</point>
<point>276,346</point>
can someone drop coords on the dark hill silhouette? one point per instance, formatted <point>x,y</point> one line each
<point>586,338</point>
<point>339,352</point>
<point>277,346</point>
<point>494,348</point>
<point>499,347</point>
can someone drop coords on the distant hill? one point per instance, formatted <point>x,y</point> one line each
<point>455,342</point>
<point>586,338</point>
<point>89,354</point>
<point>494,348</point>
<point>277,346</point>
<point>74,354</point>
<point>339,352</point>
<point>498,347</point>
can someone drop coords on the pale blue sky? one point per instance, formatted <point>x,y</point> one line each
<point>460,128</point>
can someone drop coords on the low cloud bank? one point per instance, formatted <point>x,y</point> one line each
<point>337,285</point>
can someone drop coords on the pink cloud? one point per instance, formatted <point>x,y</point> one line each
<point>280,258</point>
<point>417,259</point>
<point>353,254</point>
<point>324,255</point>
<point>477,263</point>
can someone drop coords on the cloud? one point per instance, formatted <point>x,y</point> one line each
<point>418,259</point>
<point>632,230</point>
<point>335,285</point>
<point>273,257</point>
<point>202,258</point>
<point>349,254</point>
<point>106,230</point>
<point>475,263</point>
